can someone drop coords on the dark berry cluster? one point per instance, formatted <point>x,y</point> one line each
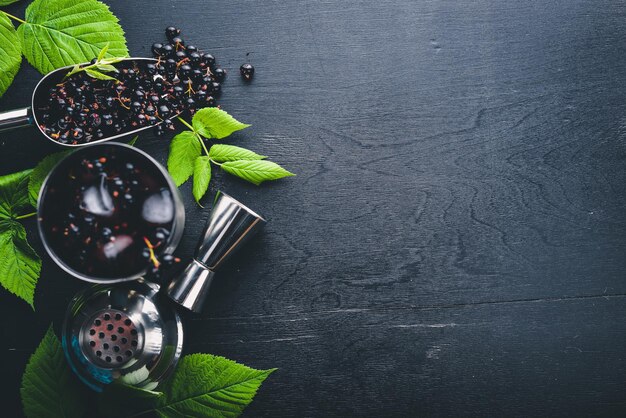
<point>108,215</point>
<point>198,75</point>
<point>144,93</point>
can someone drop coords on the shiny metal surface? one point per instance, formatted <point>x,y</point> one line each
<point>192,287</point>
<point>173,240</point>
<point>147,332</point>
<point>230,225</point>
<point>8,120</point>
<point>13,119</point>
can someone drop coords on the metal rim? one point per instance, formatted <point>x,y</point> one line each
<point>58,70</point>
<point>244,207</point>
<point>178,223</point>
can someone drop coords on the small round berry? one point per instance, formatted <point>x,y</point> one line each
<point>208,60</point>
<point>164,111</point>
<point>168,50</point>
<point>157,49</point>
<point>219,74</point>
<point>247,71</point>
<point>172,32</point>
<point>194,57</point>
<point>180,55</point>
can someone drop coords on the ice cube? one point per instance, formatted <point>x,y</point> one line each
<point>158,208</point>
<point>97,200</point>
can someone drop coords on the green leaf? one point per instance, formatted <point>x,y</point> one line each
<point>184,149</point>
<point>212,122</point>
<point>106,68</point>
<point>65,32</point>
<point>10,53</point>
<point>103,52</point>
<point>49,389</point>
<point>40,172</point>
<point>7,2</point>
<point>201,177</point>
<point>209,386</point>
<point>14,194</point>
<point>97,74</point>
<point>256,171</point>
<point>119,400</point>
<point>133,141</point>
<point>222,153</point>
<point>20,265</point>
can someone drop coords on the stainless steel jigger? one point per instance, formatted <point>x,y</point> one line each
<point>230,225</point>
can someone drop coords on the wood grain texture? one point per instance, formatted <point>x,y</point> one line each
<point>455,240</point>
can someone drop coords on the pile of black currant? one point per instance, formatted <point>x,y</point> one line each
<point>82,109</point>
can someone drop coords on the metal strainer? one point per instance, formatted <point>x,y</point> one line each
<point>122,333</point>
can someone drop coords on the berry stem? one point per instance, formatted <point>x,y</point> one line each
<point>153,258</point>
<point>13,17</point>
<point>28,215</point>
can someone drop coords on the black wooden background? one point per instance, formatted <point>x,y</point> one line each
<point>455,240</point>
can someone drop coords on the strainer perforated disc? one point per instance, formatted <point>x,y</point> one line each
<point>123,333</point>
<point>111,339</point>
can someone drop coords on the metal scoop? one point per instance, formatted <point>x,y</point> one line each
<point>28,116</point>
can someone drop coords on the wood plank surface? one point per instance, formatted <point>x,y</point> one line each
<point>454,243</point>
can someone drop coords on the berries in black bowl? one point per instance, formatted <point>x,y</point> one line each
<point>104,207</point>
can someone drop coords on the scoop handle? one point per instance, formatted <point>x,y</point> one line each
<point>17,118</point>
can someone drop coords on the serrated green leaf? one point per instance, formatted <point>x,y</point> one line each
<point>10,53</point>
<point>103,52</point>
<point>209,386</point>
<point>14,194</point>
<point>119,400</point>
<point>256,171</point>
<point>20,265</point>
<point>201,177</point>
<point>212,122</point>
<point>49,389</point>
<point>65,32</point>
<point>222,153</point>
<point>40,172</point>
<point>184,149</point>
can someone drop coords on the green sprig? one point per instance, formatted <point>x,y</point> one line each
<point>189,155</point>
<point>98,68</point>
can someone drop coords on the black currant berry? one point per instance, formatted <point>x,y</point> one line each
<point>172,32</point>
<point>219,74</point>
<point>247,71</point>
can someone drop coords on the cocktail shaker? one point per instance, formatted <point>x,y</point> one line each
<point>125,332</point>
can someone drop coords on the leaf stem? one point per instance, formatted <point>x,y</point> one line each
<point>185,123</point>
<point>28,215</point>
<point>13,17</point>
<point>206,151</point>
<point>215,162</point>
